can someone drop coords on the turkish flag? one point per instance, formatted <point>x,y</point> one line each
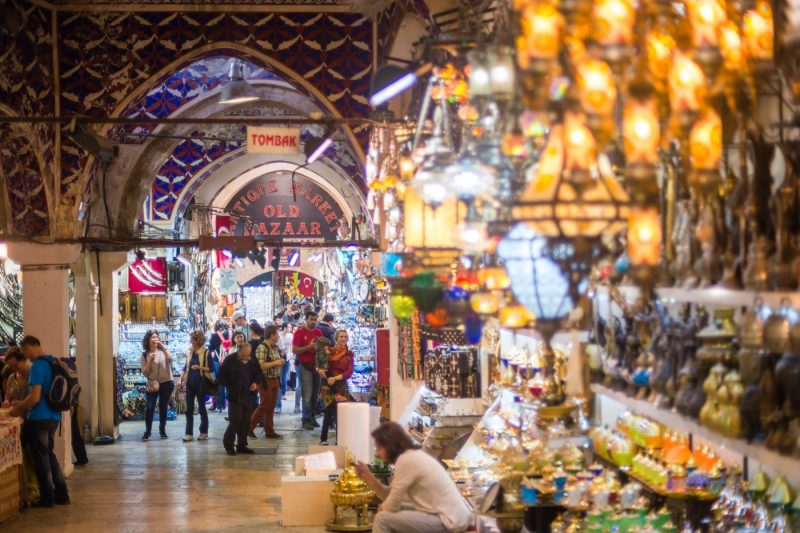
<point>222,226</point>
<point>305,285</point>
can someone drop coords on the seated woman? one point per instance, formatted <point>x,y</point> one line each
<point>418,479</point>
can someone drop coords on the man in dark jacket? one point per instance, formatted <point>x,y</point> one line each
<point>241,376</point>
<point>327,329</point>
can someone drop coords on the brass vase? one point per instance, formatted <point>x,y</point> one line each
<point>756,273</point>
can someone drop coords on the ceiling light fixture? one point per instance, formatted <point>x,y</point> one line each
<point>294,258</point>
<point>391,80</point>
<point>316,146</point>
<point>237,90</point>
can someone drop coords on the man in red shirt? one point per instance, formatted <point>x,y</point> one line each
<point>303,347</point>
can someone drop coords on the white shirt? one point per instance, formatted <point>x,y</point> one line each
<point>281,346</point>
<point>420,478</point>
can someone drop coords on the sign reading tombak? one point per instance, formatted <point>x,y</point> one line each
<point>273,140</point>
<point>266,206</point>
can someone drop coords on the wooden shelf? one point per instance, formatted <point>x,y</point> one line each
<point>712,296</point>
<point>737,451</point>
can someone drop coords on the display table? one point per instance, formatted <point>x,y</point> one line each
<point>10,461</point>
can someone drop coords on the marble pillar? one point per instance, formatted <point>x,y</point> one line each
<point>45,311</point>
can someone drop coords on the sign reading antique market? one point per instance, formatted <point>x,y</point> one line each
<point>262,140</point>
<point>267,207</point>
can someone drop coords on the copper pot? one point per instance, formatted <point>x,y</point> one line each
<point>777,328</point>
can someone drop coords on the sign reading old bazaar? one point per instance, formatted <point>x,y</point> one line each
<point>267,207</point>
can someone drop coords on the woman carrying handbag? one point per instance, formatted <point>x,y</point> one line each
<point>157,368</point>
<point>198,380</point>
<point>334,378</point>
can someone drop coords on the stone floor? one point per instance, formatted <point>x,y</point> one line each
<point>168,485</point>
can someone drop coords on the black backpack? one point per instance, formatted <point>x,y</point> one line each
<point>64,387</point>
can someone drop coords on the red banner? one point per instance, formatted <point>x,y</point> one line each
<point>148,275</point>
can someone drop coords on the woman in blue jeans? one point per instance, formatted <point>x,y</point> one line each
<point>197,365</point>
<point>157,368</point>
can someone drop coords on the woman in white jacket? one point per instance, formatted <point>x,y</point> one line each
<point>419,479</point>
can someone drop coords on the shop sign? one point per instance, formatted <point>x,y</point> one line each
<point>266,207</point>
<point>262,140</point>
<point>148,275</point>
<point>227,281</point>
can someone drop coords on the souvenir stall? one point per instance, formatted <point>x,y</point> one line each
<point>357,296</point>
<point>615,186</point>
<point>155,294</point>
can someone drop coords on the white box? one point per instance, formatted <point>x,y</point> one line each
<point>306,501</point>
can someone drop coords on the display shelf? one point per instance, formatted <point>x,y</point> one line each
<point>711,296</point>
<point>750,456</point>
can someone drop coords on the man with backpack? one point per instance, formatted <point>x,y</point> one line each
<point>43,419</point>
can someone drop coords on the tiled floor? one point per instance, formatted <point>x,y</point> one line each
<point>162,486</point>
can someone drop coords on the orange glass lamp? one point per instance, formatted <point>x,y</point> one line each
<point>705,151</point>
<point>485,303</point>
<point>659,46</point>
<point>686,89</point>
<point>494,278</point>
<point>516,316</point>
<point>644,243</point>
<point>641,132</point>
<point>706,18</point>
<point>580,150</point>
<point>758,30</point>
<point>540,39</point>
<point>597,94</point>
<point>730,44</point>
<point>613,28</point>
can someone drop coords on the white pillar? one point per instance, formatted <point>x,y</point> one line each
<point>107,335</point>
<point>45,311</point>
<point>86,340</point>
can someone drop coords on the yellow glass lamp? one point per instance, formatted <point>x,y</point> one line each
<point>706,18</point>
<point>597,94</point>
<point>686,89</point>
<point>644,236</point>
<point>540,39</point>
<point>516,316</point>
<point>485,302</point>
<point>494,278</point>
<point>660,46</point>
<point>705,151</point>
<point>759,34</point>
<point>730,43</point>
<point>641,132</point>
<point>431,232</point>
<point>613,27</point>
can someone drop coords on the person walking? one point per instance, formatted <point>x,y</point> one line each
<point>326,327</point>
<point>271,362</point>
<point>304,345</point>
<point>334,388</point>
<point>418,479</point>
<point>157,368</point>
<point>284,374</point>
<point>219,345</point>
<point>241,377</point>
<point>240,323</point>
<point>197,366</point>
<point>41,424</point>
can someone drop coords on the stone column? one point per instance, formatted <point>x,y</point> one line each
<point>45,310</point>
<point>86,340</point>
<point>110,263</point>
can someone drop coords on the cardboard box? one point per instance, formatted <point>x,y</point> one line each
<point>306,501</point>
<point>338,451</point>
